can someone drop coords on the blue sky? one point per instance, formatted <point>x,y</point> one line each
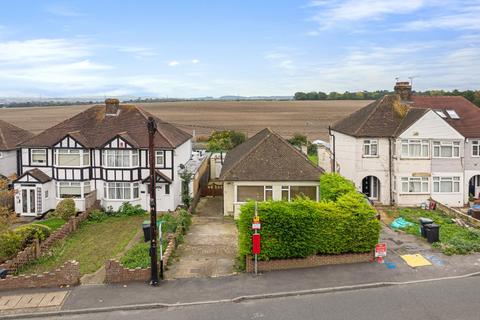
<point>249,47</point>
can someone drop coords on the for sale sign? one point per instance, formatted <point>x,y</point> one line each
<point>380,250</point>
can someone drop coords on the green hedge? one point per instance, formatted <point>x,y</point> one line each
<point>333,185</point>
<point>303,227</point>
<point>13,241</point>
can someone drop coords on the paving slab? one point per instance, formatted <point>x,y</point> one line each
<point>29,302</point>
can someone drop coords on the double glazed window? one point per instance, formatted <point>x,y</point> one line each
<point>159,158</point>
<point>414,184</point>
<point>255,193</point>
<point>69,189</point>
<point>291,192</point>
<point>446,149</point>
<point>72,157</point>
<point>370,148</point>
<point>38,156</point>
<point>121,190</point>
<point>475,148</point>
<point>415,148</point>
<point>446,184</point>
<point>120,158</point>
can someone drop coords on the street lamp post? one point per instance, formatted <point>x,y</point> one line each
<point>152,128</point>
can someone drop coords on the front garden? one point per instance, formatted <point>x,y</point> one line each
<point>454,238</point>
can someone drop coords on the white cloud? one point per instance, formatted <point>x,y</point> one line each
<point>458,17</point>
<point>138,52</point>
<point>195,61</point>
<point>173,63</point>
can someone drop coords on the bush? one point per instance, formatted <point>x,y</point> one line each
<point>185,219</point>
<point>139,255</point>
<point>13,241</point>
<point>127,209</point>
<point>303,227</point>
<point>97,216</point>
<point>333,185</point>
<point>65,209</point>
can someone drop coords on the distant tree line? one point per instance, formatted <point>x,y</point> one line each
<point>471,95</point>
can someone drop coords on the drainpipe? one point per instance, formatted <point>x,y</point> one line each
<point>390,169</point>
<point>333,148</point>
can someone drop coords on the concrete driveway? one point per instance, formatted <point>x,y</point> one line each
<point>210,246</point>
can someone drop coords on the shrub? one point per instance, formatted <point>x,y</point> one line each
<point>170,223</point>
<point>185,219</point>
<point>65,209</point>
<point>333,185</point>
<point>139,255</point>
<point>13,241</point>
<point>97,216</point>
<point>127,209</point>
<point>303,227</point>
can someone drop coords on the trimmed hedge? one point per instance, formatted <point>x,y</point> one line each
<point>333,185</point>
<point>303,227</point>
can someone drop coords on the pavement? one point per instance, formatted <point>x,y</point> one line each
<point>441,300</point>
<point>210,246</point>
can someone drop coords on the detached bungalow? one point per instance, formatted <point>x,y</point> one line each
<point>266,167</point>
<point>10,136</point>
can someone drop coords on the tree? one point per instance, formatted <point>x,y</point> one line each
<point>300,96</point>
<point>224,140</point>
<point>186,177</point>
<point>298,140</point>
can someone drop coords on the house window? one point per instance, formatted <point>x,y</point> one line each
<point>441,114</point>
<point>120,158</point>
<point>370,148</point>
<point>46,194</point>
<point>453,114</point>
<point>121,190</point>
<point>246,193</point>
<point>475,148</point>
<point>69,190</point>
<point>292,192</point>
<point>167,189</point>
<point>415,148</point>
<point>414,184</point>
<point>446,184</point>
<point>160,158</point>
<point>268,193</point>
<point>38,156</point>
<point>446,149</point>
<point>72,157</point>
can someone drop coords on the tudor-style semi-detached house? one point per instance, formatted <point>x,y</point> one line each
<point>403,149</point>
<point>101,153</point>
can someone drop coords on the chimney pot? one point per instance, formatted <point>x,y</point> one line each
<point>111,106</point>
<point>404,90</point>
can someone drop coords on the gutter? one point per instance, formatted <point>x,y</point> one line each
<point>333,148</point>
<point>390,169</point>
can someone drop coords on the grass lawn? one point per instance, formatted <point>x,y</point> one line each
<point>53,223</point>
<point>138,256</point>
<point>91,245</point>
<point>313,158</point>
<point>454,239</point>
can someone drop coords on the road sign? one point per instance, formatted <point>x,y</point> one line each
<point>256,219</point>
<point>256,226</point>
<point>380,250</point>
<point>256,243</point>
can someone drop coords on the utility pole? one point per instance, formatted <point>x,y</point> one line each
<point>152,128</point>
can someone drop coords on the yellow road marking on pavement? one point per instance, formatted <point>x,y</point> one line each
<point>34,300</point>
<point>415,260</point>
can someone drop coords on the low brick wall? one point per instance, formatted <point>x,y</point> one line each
<point>117,273</point>
<point>308,262</point>
<point>458,214</point>
<point>66,275</point>
<point>35,250</point>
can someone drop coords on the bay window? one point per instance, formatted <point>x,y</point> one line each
<point>414,184</point>
<point>415,148</point>
<point>38,156</point>
<point>475,148</point>
<point>121,190</point>
<point>446,149</point>
<point>120,158</point>
<point>71,157</point>
<point>446,184</point>
<point>370,148</point>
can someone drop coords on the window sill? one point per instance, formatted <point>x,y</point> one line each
<point>123,168</point>
<point>413,193</point>
<point>43,164</point>
<point>370,157</point>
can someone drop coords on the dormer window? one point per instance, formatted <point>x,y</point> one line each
<point>453,114</point>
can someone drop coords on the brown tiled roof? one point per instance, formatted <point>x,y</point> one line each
<point>11,135</point>
<point>93,129</point>
<point>268,157</point>
<point>469,123</point>
<point>385,117</point>
<point>41,176</point>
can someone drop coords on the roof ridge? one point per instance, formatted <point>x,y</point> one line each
<point>144,114</point>
<point>370,114</point>
<point>250,151</point>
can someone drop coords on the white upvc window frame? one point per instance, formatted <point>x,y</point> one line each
<point>265,189</point>
<point>133,187</point>
<point>58,184</point>
<point>133,155</point>
<point>287,188</point>
<point>475,148</point>
<point>38,151</point>
<point>438,144</point>
<point>160,154</point>
<point>407,185</point>
<point>408,143</point>
<point>368,146</point>
<point>81,153</point>
<point>437,186</point>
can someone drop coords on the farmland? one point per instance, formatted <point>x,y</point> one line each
<point>286,117</point>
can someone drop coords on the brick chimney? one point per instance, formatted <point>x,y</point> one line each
<point>111,107</point>
<point>404,90</point>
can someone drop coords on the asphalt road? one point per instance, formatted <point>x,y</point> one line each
<point>446,299</point>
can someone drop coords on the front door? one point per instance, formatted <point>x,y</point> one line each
<point>28,201</point>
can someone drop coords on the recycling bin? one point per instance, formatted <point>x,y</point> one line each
<point>146,230</point>
<point>433,232</point>
<point>3,273</point>
<point>423,223</point>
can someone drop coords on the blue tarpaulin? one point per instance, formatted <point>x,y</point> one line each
<point>400,223</point>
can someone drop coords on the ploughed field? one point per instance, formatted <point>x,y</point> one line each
<point>286,117</point>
